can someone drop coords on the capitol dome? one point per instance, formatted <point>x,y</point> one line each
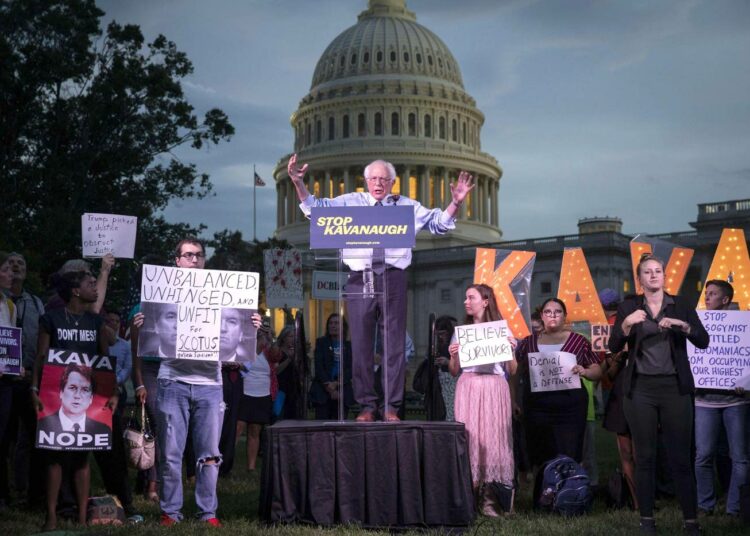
<point>387,87</point>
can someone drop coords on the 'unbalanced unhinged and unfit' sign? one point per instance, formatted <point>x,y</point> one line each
<point>483,344</point>
<point>198,314</point>
<point>74,391</point>
<point>725,364</point>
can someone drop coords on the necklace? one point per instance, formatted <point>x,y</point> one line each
<point>70,317</point>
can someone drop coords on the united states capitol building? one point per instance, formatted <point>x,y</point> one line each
<point>389,88</point>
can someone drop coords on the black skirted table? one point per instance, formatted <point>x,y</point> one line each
<point>398,475</point>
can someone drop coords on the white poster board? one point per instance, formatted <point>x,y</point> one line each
<point>552,371</point>
<point>483,344</point>
<point>725,364</point>
<point>600,337</point>
<point>283,277</point>
<point>108,233</point>
<point>327,285</point>
<point>198,314</point>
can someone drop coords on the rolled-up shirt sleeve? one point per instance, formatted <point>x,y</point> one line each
<point>436,220</point>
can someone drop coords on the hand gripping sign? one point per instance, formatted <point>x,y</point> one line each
<point>483,344</point>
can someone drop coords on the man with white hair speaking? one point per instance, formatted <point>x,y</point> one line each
<point>365,312</point>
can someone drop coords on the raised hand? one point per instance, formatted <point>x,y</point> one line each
<point>461,188</point>
<point>296,173</point>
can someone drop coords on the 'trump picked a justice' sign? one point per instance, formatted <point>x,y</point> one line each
<point>483,344</point>
<point>362,227</point>
<point>725,364</point>
<point>552,371</point>
<point>108,233</point>
<point>74,390</point>
<point>198,314</point>
<point>10,351</point>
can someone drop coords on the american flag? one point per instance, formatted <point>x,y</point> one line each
<point>259,181</point>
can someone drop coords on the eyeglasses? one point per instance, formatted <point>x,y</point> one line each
<point>549,312</point>
<point>380,180</point>
<point>191,256</point>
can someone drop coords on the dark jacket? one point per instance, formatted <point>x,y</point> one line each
<point>677,341</point>
<point>323,365</point>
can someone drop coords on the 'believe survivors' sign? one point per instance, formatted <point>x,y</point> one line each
<point>725,364</point>
<point>10,351</point>
<point>74,391</point>
<point>483,344</point>
<point>552,371</point>
<point>198,314</point>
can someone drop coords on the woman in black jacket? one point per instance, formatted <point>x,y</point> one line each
<point>658,386</point>
<point>324,391</point>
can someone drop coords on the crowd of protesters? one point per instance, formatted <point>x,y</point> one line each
<point>199,410</point>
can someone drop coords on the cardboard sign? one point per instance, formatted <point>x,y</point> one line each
<point>10,351</point>
<point>725,364</point>
<point>362,227</point>
<point>600,337</point>
<point>483,344</point>
<point>74,390</point>
<point>283,271</point>
<point>552,371</point>
<point>108,233</point>
<point>328,285</point>
<point>508,273</point>
<point>198,314</point>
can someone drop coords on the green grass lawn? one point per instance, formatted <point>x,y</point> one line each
<point>238,510</point>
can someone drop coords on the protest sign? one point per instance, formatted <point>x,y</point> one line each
<point>10,351</point>
<point>198,314</point>
<point>74,390</point>
<point>600,337</point>
<point>552,371</point>
<point>483,344</point>
<point>327,285</point>
<point>725,364</point>
<point>108,233</point>
<point>362,227</point>
<point>283,271</point>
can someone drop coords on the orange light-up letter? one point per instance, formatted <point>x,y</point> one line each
<point>577,289</point>
<point>732,264</point>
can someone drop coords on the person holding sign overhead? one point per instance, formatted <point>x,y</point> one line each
<point>556,407</point>
<point>483,404</point>
<point>658,386</point>
<point>364,312</point>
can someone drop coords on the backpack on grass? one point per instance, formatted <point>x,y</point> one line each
<point>564,487</point>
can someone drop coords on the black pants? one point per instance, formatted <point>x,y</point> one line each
<point>364,313</point>
<point>113,463</point>
<point>555,424</point>
<point>654,401</point>
<point>232,387</point>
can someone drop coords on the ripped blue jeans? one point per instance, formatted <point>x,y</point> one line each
<point>200,407</point>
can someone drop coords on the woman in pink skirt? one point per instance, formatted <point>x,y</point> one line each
<point>483,404</point>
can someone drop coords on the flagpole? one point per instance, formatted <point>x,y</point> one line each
<point>255,238</point>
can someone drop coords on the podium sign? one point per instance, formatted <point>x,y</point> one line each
<point>362,227</point>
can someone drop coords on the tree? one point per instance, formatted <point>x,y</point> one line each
<point>89,121</point>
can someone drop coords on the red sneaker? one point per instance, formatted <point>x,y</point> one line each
<point>213,521</point>
<point>167,521</point>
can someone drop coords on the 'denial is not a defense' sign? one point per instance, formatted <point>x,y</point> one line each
<point>362,227</point>
<point>552,371</point>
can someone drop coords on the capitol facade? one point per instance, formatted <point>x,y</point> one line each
<point>388,88</point>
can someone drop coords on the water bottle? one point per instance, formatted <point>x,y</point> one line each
<point>368,283</point>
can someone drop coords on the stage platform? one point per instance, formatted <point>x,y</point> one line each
<point>399,475</point>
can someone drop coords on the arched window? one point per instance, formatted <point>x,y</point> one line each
<point>318,131</point>
<point>441,128</point>
<point>427,126</point>
<point>378,124</point>
<point>463,133</point>
<point>345,126</point>
<point>454,130</point>
<point>366,57</point>
<point>394,124</point>
<point>406,57</point>
<point>379,56</point>
<point>412,124</point>
<point>308,132</point>
<point>393,55</point>
<point>331,128</point>
<point>361,129</point>
<point>354,58</point>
